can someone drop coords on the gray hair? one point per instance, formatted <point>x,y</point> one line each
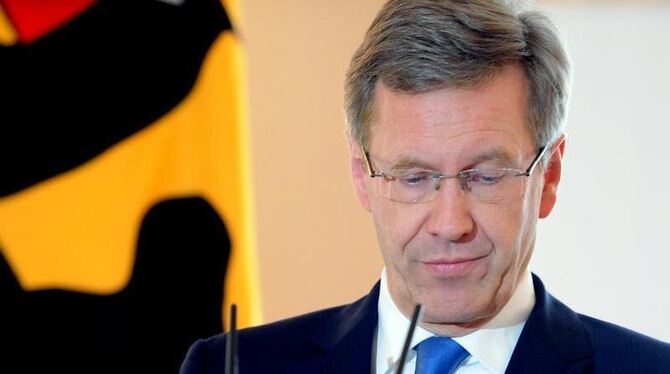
<point>420,45</point>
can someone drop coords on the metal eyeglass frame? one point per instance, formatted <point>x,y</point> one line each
<point>461,175</point>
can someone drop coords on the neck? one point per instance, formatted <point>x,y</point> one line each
<point>514,311</point>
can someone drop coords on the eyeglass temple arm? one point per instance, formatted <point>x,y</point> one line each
<point>536,160</point>
<point>368,165</point>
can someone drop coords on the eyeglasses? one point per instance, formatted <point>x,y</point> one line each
<point>483,185</point>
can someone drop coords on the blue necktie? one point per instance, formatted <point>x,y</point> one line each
<point>439,355</point>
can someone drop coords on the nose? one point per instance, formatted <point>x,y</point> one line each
<point>449,216</point>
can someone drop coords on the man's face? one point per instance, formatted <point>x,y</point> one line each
<point>459,257</point>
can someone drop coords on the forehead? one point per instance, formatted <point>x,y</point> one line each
<point>453,122</point>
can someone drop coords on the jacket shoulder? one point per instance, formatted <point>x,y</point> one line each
<point>205,356</point>
<point>556,339</point>
<point>618,349</point>
<point>263,346</point>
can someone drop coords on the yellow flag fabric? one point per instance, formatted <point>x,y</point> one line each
<point>7,33</point>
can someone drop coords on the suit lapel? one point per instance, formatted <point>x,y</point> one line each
<point>553,339</point>
<point>345,342</point>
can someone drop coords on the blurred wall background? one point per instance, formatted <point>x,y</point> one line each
<point>604,251</point>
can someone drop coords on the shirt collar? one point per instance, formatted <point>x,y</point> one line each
<point>491,345</point>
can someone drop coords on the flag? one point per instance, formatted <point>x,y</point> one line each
<point>126,218</point>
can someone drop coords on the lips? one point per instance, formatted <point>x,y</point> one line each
<point>453,267</point>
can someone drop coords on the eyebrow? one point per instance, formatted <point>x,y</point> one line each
<point>410,163</point>
<point>496,154</point>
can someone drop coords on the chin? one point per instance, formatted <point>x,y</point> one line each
<point>459,308</point>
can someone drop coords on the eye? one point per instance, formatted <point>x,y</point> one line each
<point>483,177</point>
<point>415,180</point>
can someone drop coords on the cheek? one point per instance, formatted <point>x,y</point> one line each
<point>516,231</point>
<point>396,225</point>
<point>507,228</point>
<point>529,212</point>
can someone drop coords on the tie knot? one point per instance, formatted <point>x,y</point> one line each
<point>439,355</point>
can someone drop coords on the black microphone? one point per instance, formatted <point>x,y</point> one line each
<point>416,317</point>
<point>231,343</point>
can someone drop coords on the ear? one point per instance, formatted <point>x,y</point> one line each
<point>358,172</point>
<point>552,177</point>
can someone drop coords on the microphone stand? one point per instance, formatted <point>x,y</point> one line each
<point>416,317</point>
<point>231,343</point>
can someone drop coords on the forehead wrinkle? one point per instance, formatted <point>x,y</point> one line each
<point>445,132</point>
<point>483,121</point>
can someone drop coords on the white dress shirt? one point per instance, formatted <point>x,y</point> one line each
<point>490,347</point>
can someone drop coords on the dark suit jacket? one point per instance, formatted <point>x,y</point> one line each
<point>339,340</point>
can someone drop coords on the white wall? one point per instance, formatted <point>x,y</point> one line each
<point>605,250</point>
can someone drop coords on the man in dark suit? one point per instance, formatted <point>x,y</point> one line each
<point>455,112</point>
